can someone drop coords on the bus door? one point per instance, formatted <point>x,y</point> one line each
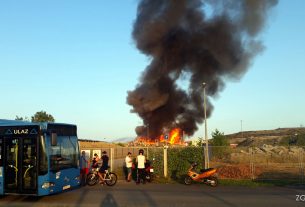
<point>20,169</point>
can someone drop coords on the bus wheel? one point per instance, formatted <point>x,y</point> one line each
<point>111,180</point>
<point>92,179</point>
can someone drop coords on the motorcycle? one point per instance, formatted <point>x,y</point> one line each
<point>149,171</point>
<point>207,176</point>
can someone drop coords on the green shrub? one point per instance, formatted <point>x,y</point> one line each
<point>219,139</point>
<point>179,161</point>
<point>296,140</point>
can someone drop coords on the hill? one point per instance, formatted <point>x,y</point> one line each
<point>123,140</point>
<point>258,138</point>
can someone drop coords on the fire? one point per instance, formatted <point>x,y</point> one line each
<point>145,141</point>
<point>174,137</point>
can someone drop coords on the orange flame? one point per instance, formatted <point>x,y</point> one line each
<point>174,137</point>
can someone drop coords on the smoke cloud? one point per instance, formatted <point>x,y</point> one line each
<point>209,41</point>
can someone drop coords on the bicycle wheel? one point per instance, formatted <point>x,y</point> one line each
<point>111,179</point>
<point>92,179</point>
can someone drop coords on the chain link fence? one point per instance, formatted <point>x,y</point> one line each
<point>256,163</point>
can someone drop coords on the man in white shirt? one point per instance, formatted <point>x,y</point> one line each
<point>141,160</point>
<point>128,162</point>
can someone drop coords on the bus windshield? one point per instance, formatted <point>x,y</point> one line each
<point>64,155</point>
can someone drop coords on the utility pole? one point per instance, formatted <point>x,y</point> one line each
<point>206,157</point>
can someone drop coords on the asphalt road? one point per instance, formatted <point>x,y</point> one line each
<point>130,194</point>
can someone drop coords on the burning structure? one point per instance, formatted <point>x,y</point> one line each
<point>173,137</point>
<point>196,41</point>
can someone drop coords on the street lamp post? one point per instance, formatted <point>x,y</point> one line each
<point>206,157</point>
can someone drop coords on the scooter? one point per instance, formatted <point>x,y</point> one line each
<point>207,176</point>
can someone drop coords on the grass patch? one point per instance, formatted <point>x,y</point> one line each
<point>163,180</point>
<point>240,182</point>
<point>247,183</point>
<point>259,183</point>
<point>222,182</point>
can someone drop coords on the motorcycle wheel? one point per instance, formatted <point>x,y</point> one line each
<point>213,181</point>
<point>149,177</point>
<point>92,179</point>
<point>187,180</point>
<point>112,179</point>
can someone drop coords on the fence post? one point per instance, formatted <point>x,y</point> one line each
<point>251,163</point>
<point>111,158</point>
<point>302,154</point>
<point>204,158</point>
<point>301,165</point>
<point>165,160</point>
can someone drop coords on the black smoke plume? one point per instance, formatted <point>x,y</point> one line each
<point>203,41</point>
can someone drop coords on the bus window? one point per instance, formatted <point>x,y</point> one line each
<point>63,155</point>
<point>43,160</point>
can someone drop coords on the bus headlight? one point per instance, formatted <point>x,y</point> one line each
<point>47,185</point>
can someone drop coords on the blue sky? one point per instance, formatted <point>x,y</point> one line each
<point>76,60</point>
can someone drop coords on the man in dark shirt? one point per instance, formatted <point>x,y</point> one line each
<point>104,167</point>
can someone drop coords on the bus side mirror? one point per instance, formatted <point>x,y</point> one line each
<point>53,139</point>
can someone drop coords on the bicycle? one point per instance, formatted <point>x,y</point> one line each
<point>110,178</point>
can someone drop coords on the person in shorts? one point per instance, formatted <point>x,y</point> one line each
<point>128,162</point>
<point>84,170</point>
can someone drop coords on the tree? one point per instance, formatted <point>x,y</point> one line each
<point>220,143</point>
<point>42,116</point>
<point>20,118</point>
<point>219,139</point>
<point>301,140</point>
<point>293,140</point>
<point>199,142</point>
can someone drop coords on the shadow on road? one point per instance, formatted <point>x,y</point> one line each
<point>109,201</point>
<point>11,200</point>
<point>81,198</point>
<point>31,199</point>
<point>225,203</point>
<point>149,200</point>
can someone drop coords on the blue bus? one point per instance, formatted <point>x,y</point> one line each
<point>38,158</point>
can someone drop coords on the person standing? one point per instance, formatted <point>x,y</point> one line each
<point>141,160</point>
<point>84,163</point>
<point>95,161</point>
<point>128,163</point>
<point>104,167</point>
